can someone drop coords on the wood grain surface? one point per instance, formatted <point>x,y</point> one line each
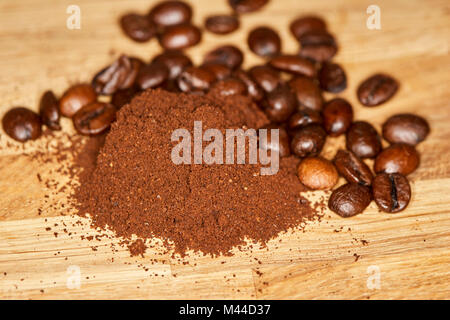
<point>333,259</point>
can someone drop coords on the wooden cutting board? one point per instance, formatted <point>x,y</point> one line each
<point>371,256</point>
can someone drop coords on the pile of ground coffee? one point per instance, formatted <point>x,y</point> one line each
<point>136,189</point>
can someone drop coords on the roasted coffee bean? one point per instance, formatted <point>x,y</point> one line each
<point>303,117</point>
<point>49,110</point>
<point>397,158</point>
<point>352,168</point>
<point>266,77</point>
<point>221,71</point>
<point>152,75</point>
<point>176,61</point>
<point>305,24</point>
<point>137,27</point>
<point>75,98</point>
<point>222,24</point>
<point>229,87</point>
<point>308,140</point>
<point>170,13</point>
<point>363,140</point>
<point>180,36</point>
<point>337,116</point>
<point>279,104</point>
<point>283,141</point>
<point>318,45</point>
<point>94,118</point>
<point>246,6</point>
<point>332,78</point>
<point>349,199</point>
<point>228,55</point>
<point>253,89</point>
<point>171,85</point>
<point>294,64</point>
<point>307,92</point>
<point>195,79</point>
<point>317,173</point>
<point>406,128</point>
<point>391,192</point>
<point>377,89</point>
<point>123,97</point>
<point>264,41</point>
<point>22,124</point>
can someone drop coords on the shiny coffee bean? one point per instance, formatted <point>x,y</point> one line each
<point>22,124</point>
<point>279,104</point>
<point>294,64</point>
<point>363,140</point>
<point>123,97</point>
<point>253,89</point>
<point>318,45</point>
<point>246,6</point>
<point>266,77</point>
<point>283,141</point>
<point>180,36</point>
<point>152,75</point>
<point>75,98</point>
<point>171,85</point>
<point>377,89</point>
<point>305,24</point>
<point>49,110</point>
<point>317,173</point>
<point>176,61</point>
<point>228,55</point>
<point>391,192</point>
<point>222,24</point>
<point>94,118</point>
<point>303,117</point>
<point>264,41</point>
<point>195,79</point>
<point>307,92</point>
<point>352,168</point>
<point>229,87</point>
<point>337,116</point>
<point>332,78</point>
<point>221,71</point>
<point>170,13</point>
<point>397,158</point>
<point>308,140</point>
<point>138,28</point>
<point>349,199</point>
<point>406,128</point>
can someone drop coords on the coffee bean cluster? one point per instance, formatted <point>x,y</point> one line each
<point>287,87</point>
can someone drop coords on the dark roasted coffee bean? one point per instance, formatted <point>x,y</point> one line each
<point>266,77</point>
<point>22,124</point>
<point>176,61</point>
<point>377,89</point>
<point>332,78</point>
<point>137,27</point>
<point>283,141</point>
<point>308,140</point>
<point>391,192</point>
<point>75,98</point>
<point>222,24</point>
<point>94,118</point>
<point>171,85</point>
<point>406,128</point>
<point>246,6</point>
<point>49,110</point>
<point>363,140</point>
<point>221,71</point>
<point>397,158</point>
<point>305,24</point>
<point>195,79</point>
<point>303,117</point>
<point>318,45</point>
<point>337,116</point>
<point>123,97</point>
<point>170,13</point>
<point>352,168</point>
<point>349,200</point>
<point>307,92</point>
<point>294,64</point>
<point>317,173</point>
<point>180,36</point>
<point>253,89</point>
<point>152,75</point>
<point>229,87</point>
<point>264,41</point>
<point>228,55</point>
<point>279,104</point>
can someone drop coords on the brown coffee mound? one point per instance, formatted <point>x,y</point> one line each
<point>136,189</point>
